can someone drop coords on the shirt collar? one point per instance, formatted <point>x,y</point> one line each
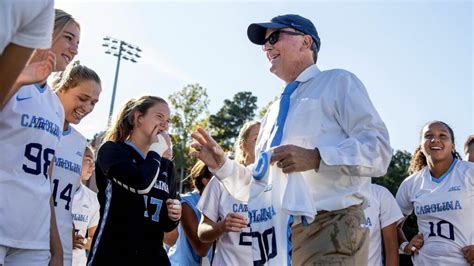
<point>309,73</point>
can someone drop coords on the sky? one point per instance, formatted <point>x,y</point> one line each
<point>414,57</point>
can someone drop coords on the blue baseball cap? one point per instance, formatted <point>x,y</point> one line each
<point>256,31</point>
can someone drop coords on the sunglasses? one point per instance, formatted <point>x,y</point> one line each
<point>273,38</point>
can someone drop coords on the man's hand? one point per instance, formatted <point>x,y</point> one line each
<point>291,158</point>
<point>207,150</point>
<point>469,254</point>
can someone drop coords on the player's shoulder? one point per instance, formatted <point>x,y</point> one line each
<point>415,177</point>
<point>379,190</point>
<point>111,147</point>
<point>465,166</point>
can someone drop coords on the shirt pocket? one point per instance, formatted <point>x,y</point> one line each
<point>304,123</point>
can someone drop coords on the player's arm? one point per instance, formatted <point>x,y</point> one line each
<point>170,210</point>
<point>169,238</point>
<point>117,165</point>
<point>55,241</point>
<point>405,246</point>
<point>90,236</point>
<point>12,62</point>
<point>190,225</point>
<point>390,241</point>
<point>209,230</point>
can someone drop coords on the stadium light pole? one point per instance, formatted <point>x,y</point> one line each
<point>122,50</point>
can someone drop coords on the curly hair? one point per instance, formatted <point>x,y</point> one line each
<point>418,160</point>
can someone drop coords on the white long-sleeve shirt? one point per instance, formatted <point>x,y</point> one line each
<point>331,111</point>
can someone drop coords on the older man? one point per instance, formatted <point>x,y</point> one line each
<point>318,146</point>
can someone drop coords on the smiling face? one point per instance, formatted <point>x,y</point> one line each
<point>437,142</point>
<point>156,116</point>
<point>290,55</point>
<point>79,101</point>
<point>88,166</point>
<point>65,46</point>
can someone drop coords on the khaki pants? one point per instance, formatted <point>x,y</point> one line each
<point>334,238</point>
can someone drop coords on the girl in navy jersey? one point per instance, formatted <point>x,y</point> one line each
<point>440,193</point>
<point>78,88</point>
<point>130,165</point>
<point>31,127</point>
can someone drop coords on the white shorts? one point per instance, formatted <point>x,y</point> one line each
<point>27,257</point>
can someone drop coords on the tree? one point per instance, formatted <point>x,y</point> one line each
<point>226,123</point>
<point>190,106</point>
<point>396,173</point>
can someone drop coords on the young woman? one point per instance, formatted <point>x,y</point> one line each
<point>85,212</point>
<point>188,249</point>
<point>78,88</point>
<point>129,165</point>
<point>382,217</point>
<point>31,126</point>
<point>440,193</point>
<point>224,218</point>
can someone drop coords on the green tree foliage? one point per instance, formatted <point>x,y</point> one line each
<point>396,173</point>
<point>229,119</point>
<point>190,110</point>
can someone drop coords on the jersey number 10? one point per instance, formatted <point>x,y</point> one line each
<point>439,227</point>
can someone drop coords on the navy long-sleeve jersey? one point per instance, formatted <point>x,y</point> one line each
<point>133,189</point>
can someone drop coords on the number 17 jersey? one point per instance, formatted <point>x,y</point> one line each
<point>30,129</point>
<point>444,208</point>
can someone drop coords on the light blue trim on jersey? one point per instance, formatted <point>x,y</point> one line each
<point>108,200</point>
<point>67,131</point>
<point>441,178</point>
<point>41,89</point>
<point>129,143</point>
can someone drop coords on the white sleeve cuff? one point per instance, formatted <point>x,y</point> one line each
<point>224,171</point>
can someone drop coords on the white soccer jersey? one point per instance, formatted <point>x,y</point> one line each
<point>382,211</point>
<point>85,214</point>
<point>30,130</point>
<point>444,209</point>
<point>27,23</point>
<point>232,248</point>
<point>65,180</point>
